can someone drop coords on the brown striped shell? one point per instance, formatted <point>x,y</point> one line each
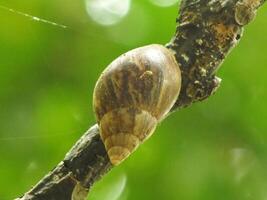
<point>132,95</point>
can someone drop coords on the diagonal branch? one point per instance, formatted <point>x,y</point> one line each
<point>207,31</point>
<point>72,178</point>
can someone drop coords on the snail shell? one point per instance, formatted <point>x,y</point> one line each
<point>132,95</point>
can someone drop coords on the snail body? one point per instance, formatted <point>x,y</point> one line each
<point>132,95</point>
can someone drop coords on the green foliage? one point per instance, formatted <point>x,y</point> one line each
<point>213,150</point>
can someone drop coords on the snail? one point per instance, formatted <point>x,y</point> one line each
<point>133,94</point>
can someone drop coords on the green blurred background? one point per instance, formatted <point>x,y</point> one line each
<point>216,149</point>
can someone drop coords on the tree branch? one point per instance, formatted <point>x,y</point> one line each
<point>207,31</point>
<point>73,177</point>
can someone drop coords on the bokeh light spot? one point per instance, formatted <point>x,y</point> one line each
<point>107,12</point>
<point>114,189</point>
<point>134,30</point>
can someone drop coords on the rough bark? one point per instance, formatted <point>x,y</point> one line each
<point>73,177</point>
<point>207,31</point>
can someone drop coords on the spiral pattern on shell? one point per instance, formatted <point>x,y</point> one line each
<point>132,95</point>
